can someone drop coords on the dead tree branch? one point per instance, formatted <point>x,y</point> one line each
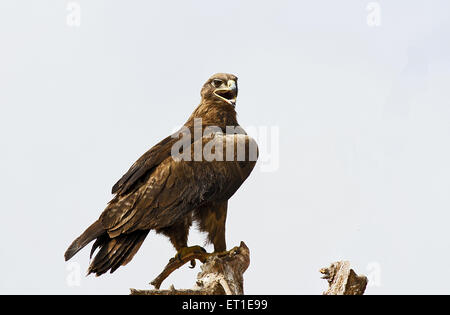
<point>342,280</point>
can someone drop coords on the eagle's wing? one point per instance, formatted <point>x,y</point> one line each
<point>145,164</point>
<point>174,188</point>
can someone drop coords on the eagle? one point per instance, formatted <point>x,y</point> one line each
<point>186,178</point>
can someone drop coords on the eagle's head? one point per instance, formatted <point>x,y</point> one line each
<point>221,88</point>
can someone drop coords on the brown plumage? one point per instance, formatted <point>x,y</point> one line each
<point>166,195</point>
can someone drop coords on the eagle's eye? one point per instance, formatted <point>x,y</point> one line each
<point>217,83</point>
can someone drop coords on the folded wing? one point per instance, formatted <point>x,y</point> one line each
<point>174,188</point>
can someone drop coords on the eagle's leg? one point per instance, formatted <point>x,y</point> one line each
<point>211,218</point>
<point>178,235</point>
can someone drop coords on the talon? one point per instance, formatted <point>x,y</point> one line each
<point>185,252</point>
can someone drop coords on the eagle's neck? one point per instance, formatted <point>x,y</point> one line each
<point>215,114</point>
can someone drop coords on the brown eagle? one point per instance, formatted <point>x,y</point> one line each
<point>167,194</point>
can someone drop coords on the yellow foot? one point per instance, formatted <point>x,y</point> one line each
<point>197,252</point>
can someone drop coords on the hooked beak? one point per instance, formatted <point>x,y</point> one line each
<point>228,94</point>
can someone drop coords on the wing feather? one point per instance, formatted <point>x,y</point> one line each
<point>144,165</point>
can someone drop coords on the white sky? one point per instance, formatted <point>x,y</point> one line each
<point>363,117</point>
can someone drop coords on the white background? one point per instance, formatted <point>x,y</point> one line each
<point>363,115</point>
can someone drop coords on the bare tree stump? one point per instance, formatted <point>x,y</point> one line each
<point>221,273</point>
<point>342,280</point>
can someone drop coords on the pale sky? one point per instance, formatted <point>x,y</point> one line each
<point>355,164</point>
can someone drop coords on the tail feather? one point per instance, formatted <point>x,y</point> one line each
<point>98,242</point>
<point>124,255</point>
<point>115,252</point>
<point>91,233</point>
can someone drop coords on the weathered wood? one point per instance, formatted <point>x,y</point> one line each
<point>342,280</point>
<point>221,273</point>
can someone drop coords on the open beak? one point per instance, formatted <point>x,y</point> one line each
<point>228,94</point>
